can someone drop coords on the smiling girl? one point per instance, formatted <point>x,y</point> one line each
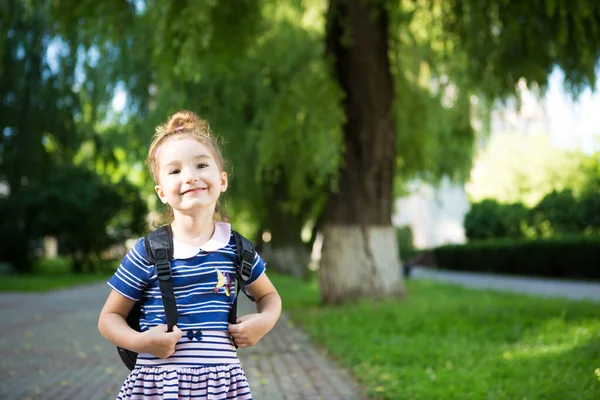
<point>198,359</point>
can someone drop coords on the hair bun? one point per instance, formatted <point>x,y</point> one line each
<point>186,120</point>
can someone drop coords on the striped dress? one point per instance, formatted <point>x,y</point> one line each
<point>205,363</point>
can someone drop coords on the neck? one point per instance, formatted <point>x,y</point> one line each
<point>194,230</point>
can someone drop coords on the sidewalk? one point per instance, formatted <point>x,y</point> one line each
<point>50,349</point>
<point>574,290</point>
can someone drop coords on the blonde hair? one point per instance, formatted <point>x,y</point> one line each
<point>185,123</point>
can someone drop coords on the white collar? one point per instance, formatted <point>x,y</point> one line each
<point>219,239</point>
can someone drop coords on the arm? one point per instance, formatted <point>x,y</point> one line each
<point>251,328</point>
<point>114,328</point>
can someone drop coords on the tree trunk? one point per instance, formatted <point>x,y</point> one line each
<point>359,256</point>
<point>286,252</point>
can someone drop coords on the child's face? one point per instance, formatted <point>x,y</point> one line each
<point>189,178</point>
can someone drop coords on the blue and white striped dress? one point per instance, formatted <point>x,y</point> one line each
<point>205,363</point>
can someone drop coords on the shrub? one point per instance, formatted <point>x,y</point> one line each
<point>406,248</point>
<point>556,214</point>
<point>567,257</point>
<point>490,219</point>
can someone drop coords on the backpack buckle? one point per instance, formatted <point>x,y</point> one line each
<point>163,270</point>
<point>247,260</point>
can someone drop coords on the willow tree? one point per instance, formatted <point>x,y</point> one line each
<point>406,69</point>
<point>494,44</point>
<point>277,110</point>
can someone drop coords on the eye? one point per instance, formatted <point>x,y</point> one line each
<point>174,172</point>
<point>202,165</point>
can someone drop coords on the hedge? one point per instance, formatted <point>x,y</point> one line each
<point>570,257</point>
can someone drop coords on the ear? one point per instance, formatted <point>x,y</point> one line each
<point>224,181</point>
<point>160,193</point>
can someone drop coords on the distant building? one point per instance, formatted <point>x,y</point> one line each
<point>435,215</point>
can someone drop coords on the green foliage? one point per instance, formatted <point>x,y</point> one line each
<point>256,70</point>
<point>565,257</point>
<point>38,104</point>
<point>557,214</point>
<point>81,214</point>
<point>277,109</point>
<point>490,219</point>
<point>52,266</point>
<point>435,136</point>
<point>510,39</point>
<point>406,247</point>
<point>51,120</point>
<point>85,213</point>
<point>447,342</point>
<point>555,192</point>
<point>589,212</point>
<point>523,168</point>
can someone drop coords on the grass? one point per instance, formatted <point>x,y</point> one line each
<point>43,283</point>
<point>448,342</point>
<point>49,274</point>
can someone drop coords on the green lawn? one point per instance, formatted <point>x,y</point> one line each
<point>41,282</point>
<point>447,342</point>
<point>55,273</point>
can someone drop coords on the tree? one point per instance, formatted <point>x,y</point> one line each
<point>501,48</point>
<point>50,125</point>
<point>359,248</point>
<point>280,120</point>
<point>84,211</point>
<point>406,72</point>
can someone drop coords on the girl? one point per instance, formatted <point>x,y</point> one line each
<point>198,358</point>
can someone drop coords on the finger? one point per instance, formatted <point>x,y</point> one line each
<point>235,328</point>
<point>239,336</point>
<point>176,331</point>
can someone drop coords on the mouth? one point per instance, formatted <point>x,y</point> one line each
<point>193,190</point>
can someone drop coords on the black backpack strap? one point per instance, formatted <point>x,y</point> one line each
<point>159,251</point>
<point>243,270</point>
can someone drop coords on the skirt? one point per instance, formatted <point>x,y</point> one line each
<point>204,366</point>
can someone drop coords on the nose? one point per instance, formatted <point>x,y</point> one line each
<point>190,175</point>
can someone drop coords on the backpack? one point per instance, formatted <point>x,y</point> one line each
<point>159,251</point>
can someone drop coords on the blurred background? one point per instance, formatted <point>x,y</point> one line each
<point>363,138</point>
<point>449,121</point>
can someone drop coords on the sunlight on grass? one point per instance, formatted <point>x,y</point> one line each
<point>449,342</point>
<point>535,351</point>
<point>553,337</point>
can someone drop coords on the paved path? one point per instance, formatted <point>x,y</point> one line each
<point>50,349</point>
<point>539,286</point>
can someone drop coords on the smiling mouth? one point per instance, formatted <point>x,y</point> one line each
<point>193,190</point>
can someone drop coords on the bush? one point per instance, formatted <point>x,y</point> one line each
<point>490,219</point>
<point>406,248</point>
<point>568,257</point>
<point>557,214</point>
<point>588,212</point>
<point>52,266</point>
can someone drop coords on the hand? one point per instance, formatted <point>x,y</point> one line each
<point>159,342</point>
<point>248,330</point>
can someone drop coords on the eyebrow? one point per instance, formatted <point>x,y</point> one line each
<point>176,162</point>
